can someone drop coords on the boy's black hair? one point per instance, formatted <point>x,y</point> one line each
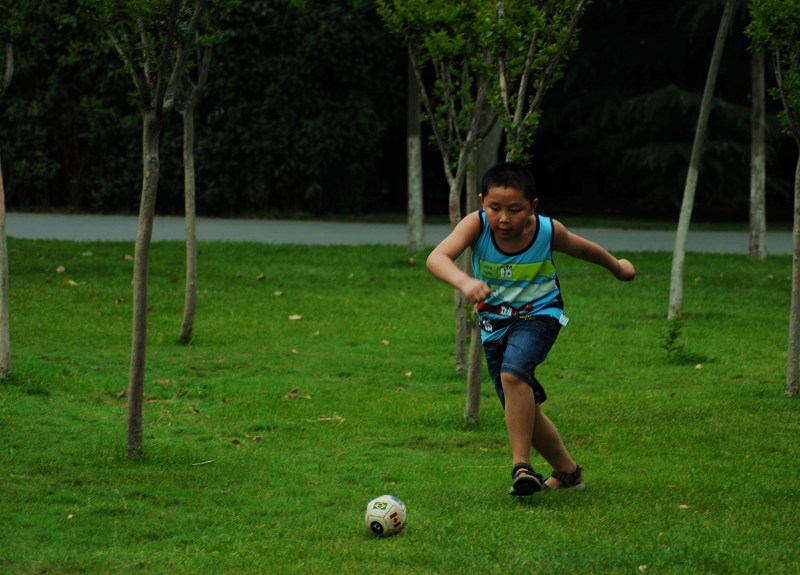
<point>509,175</point>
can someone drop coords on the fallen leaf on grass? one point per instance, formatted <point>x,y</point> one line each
<point>408,373</point>
<point>295,393</point>
<point>60,269</point>
<point>278,293</point>
<point>385,342</point>
<point>166,381</point>
<point>295,317</point>
<point>334,417</point>
<point>122,394</point>
<point>261,277</point>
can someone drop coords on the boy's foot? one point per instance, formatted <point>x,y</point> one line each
<point>566,480</point>
<point>524,480</point>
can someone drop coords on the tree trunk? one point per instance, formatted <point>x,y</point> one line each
<point>9,71</point>
<point>151,128</point>
<point>682,233</point>
<point>757,245</point>
<point>416,213</point>
<point>475,359</point>
<point>488,152</point>
<point>793,351</point>
<point>5,337</point>
<point>190,300</point>
<point>460,303</point>
<point>5,334</point>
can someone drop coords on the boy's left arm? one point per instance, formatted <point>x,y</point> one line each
<point>579,247</point>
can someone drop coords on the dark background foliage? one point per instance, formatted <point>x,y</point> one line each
<point>305,113</point>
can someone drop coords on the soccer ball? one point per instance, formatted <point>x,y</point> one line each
<point>386,515</point>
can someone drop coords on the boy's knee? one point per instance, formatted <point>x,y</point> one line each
<point>512,379</point>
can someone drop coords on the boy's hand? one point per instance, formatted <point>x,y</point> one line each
<point>475,290</point>
<point>626,272</point>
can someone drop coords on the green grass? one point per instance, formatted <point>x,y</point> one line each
<point>691,456</point>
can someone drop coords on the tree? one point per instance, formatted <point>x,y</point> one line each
<point>682,233</point>
<point>152,39</point>
<point>186,95</point>
<point>450,39</point>
<point>8,29</point>
<point>775,29</point>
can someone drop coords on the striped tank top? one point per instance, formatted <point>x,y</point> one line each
<point>524,284</point>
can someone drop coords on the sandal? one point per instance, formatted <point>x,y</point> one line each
<point>572,480</point>
<point>525,481</point>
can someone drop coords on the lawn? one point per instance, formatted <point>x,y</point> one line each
<point>322,377</point>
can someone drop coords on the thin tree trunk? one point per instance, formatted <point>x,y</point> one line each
<point>460,302</point>
<point>416,213</point>
<point>9,71</point>
<point>190,300</point>
<point>793,349</point>
<point>475,359</point>
<point>151,128</point>
<point>5,337</point>
<point>757,245</point>
<point>5,334</point>
<point>682,233</point>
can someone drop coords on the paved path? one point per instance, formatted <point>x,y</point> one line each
<point>87,228</point>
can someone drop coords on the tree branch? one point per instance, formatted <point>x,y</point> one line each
<point>138,74</point>
<point>9,72</point>
<point>554,60</point>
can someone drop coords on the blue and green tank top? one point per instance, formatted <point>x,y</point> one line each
<point>524,284</point>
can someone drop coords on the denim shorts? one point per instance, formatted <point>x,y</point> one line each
<point>525,345</point>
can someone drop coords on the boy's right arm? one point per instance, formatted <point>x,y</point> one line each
<point>441,261</point>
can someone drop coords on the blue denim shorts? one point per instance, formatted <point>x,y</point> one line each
<point>525,345</point>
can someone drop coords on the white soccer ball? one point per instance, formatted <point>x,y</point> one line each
<point>385,515</point>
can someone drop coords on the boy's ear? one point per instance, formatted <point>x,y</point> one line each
<point>534,203</point>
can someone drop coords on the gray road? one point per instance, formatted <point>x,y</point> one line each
<point>89,228</point>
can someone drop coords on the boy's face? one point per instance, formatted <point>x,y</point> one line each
<point>507,210</point>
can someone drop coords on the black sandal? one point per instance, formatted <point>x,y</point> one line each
<point>525,481</point>
<point>572,480</point>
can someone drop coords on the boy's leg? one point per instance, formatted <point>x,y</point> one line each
<point>520,411</point>
<point>547,441</point>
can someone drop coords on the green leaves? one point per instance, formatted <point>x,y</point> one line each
<point>506,54</point>
<point>775,28</point>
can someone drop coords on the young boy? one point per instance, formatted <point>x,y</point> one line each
<point>520,310</point>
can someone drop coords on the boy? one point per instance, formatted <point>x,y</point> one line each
<point>520,310</point>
